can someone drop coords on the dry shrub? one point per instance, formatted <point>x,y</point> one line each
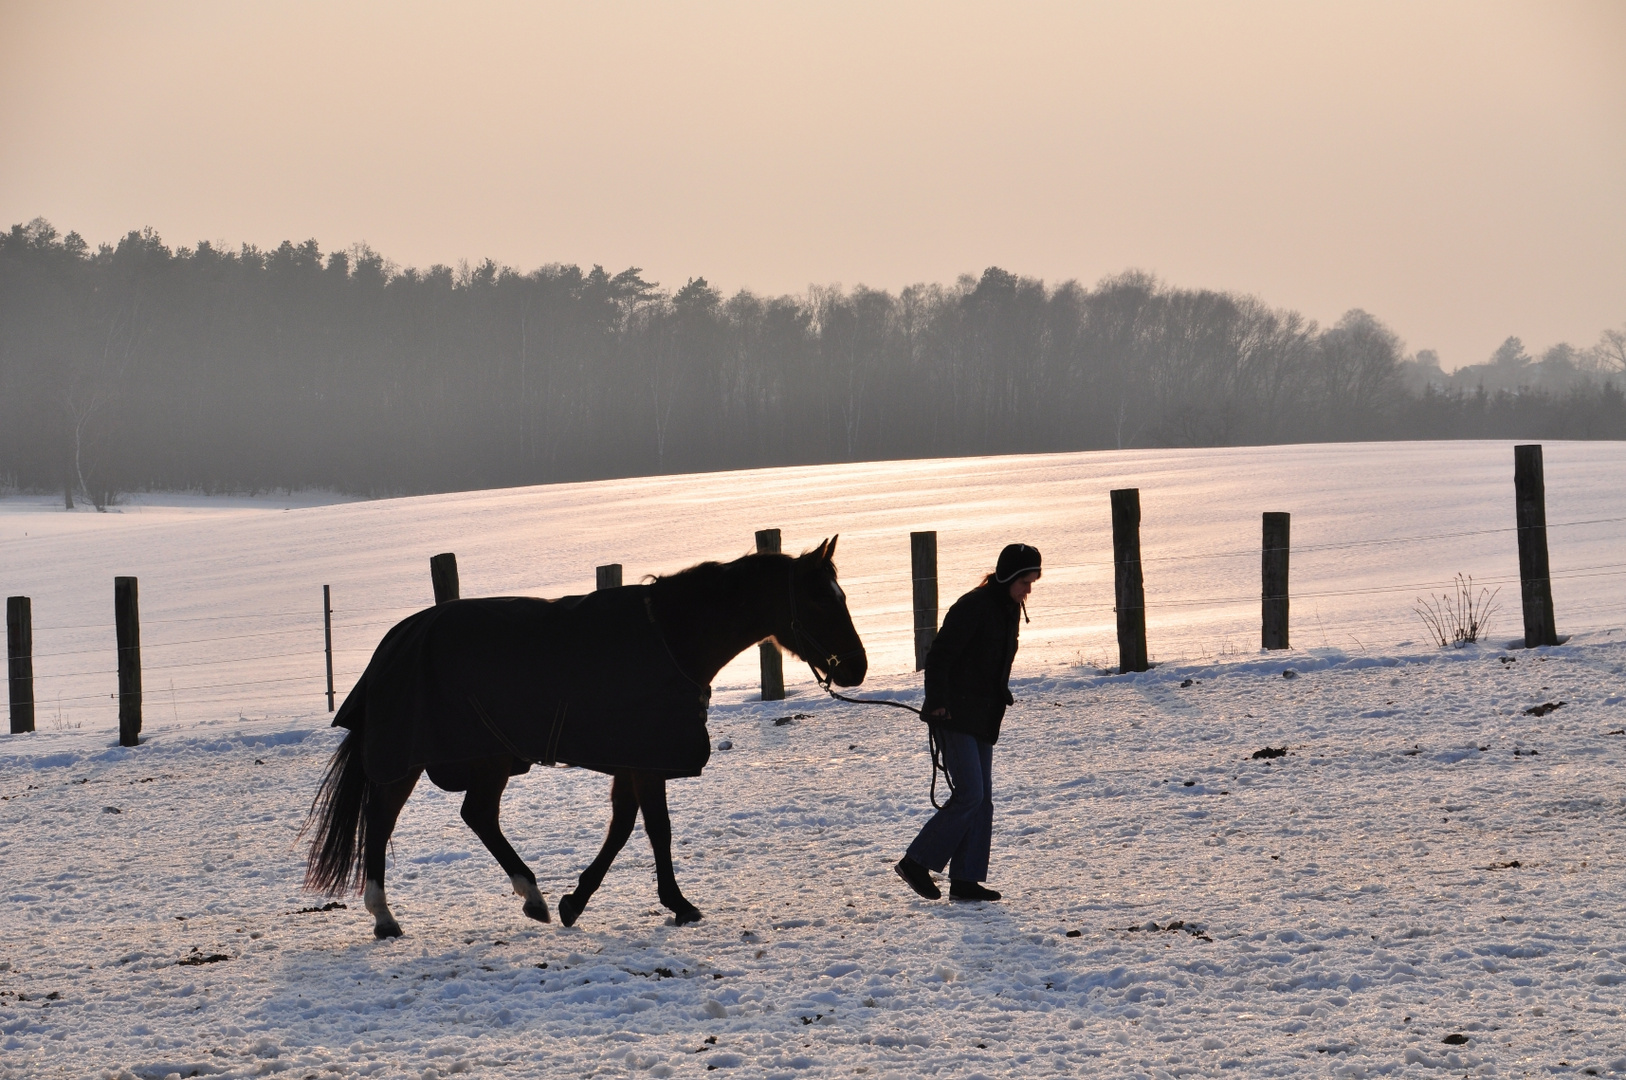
<point>1460,619</point>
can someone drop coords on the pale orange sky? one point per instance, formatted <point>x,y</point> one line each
<point>1457,169</point>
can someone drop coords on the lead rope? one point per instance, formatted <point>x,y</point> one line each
<point>798,630</point>
<point>938,763</point>
<point>931,731</point>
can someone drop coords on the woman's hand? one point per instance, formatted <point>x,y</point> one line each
<point>941,714</point>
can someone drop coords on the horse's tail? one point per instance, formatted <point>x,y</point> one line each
<point>338,822</point>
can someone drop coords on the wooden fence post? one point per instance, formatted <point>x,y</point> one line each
<point>443,575</point>
<point>1535,581</point>
<point>1273,582</point>
<point>127,622</point>
<point>773,665</point>
<point>923,571</point>
<point>1130,588</point>
<point>609,577</point>
<point>20,661</point>
<point>327,632</point>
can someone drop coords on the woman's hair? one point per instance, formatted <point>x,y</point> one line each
<point>991,578</point>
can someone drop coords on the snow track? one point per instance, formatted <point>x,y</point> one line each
<point>1427,861</point>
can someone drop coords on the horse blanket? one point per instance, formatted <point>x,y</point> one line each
<point>582,680</point>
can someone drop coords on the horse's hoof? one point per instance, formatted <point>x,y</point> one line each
<point>538,910</point>
<point>686,914</point>
<point>385,931</point>
<point>570,909</point>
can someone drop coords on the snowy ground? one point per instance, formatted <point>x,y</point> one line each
<point>1428,860</point>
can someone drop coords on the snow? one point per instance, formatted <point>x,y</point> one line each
<point>231,598</point>
<point>1428,860</point>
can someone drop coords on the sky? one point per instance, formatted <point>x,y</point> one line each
<point>1456,169</point>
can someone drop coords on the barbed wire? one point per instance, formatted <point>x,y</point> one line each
<point>1248,553</point>
<point>160,695</point>
<point>311,622</point>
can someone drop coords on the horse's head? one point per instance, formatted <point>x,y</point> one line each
<point>821,631</point>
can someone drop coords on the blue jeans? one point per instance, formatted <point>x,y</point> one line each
<point>960,834</point>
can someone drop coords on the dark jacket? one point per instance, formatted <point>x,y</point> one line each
<point>968,670</point>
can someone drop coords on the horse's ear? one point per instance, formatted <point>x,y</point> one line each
<point>827,550</point>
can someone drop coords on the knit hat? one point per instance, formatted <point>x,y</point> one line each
<point>1014,561</point>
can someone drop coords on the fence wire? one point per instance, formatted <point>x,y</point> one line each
<point>362,620</point>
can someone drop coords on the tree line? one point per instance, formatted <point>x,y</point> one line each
<point>136,366</point>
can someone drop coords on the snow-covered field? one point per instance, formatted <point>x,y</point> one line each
<point>231,594</point>
<point>1429,860</point>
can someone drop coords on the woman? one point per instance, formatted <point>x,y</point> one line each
<point>968,673</point>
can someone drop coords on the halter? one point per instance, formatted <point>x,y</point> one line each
<point>832,660</point>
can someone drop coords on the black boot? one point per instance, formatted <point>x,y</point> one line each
<point>918,877</point>
<point>970,890</point>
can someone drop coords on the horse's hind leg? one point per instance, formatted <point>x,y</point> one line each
<point>384,802</point>
<point>623,816</point>
<point>481,806</point>
<point>658,824</point>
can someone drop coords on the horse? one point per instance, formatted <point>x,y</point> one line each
<point>474,692</point>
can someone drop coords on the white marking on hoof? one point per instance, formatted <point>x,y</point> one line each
<point>384,924</point>
<point>535,906</point>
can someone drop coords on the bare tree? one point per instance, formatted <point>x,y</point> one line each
<point>256,369</point>
<point>1610,352</point>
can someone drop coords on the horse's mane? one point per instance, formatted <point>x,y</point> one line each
<point>718,583</point>
<point>712,583</point>
<point>715,576</point>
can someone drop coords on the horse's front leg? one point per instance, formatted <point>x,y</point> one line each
<point>623,816</point>
<point>658,824</point>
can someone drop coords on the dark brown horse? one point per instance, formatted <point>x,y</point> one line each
<point>475,691</point>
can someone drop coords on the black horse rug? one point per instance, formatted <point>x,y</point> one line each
<point>582,680</point>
